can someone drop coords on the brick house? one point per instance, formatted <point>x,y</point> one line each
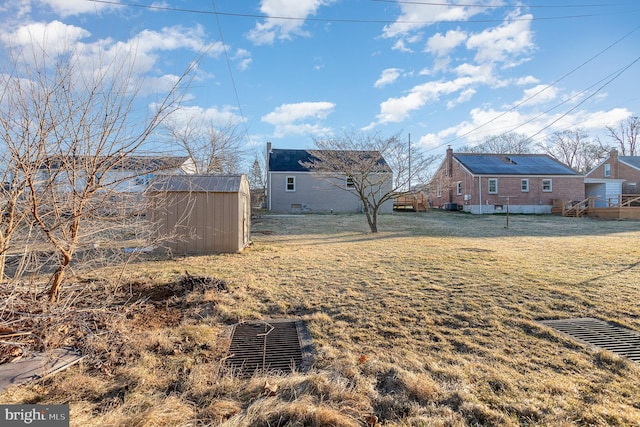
<point>615,176</point>
<point>487,183</point>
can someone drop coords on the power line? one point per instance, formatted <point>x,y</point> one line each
<point>555,6</point>
<point>233,81</point>
<point>332,20</point>
<point>587,98</point>
<point>519,104</point>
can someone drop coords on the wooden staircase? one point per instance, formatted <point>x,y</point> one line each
<point>582,208</point>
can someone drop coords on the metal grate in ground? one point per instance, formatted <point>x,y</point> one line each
<point>622,341</point>
<point>281,345</point>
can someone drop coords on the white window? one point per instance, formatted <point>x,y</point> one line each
<point>350,183</point>
<point>493,185</point>
<point>524,185</point>
<point>607,169</point>
<point>459,188</point>
<point>291,183</point>
<point>439,191</point>
<point>547,185</point>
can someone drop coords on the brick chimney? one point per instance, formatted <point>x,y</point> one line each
<point>613,162</point>
<point>449,161</point>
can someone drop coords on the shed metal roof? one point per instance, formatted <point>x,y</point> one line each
<point>513,164</point>
<point>284,160</point>
<point>196,183</point>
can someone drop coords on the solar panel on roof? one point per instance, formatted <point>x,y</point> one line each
<point>513,164</point>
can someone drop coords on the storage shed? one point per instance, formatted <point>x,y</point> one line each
<point>201,213</point>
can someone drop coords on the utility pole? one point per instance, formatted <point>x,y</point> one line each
<point>409,162</point>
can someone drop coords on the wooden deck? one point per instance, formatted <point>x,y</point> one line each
<point>626,206</point>
<point>415,202</point>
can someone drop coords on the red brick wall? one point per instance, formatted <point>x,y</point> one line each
<point>631,175</point>
<point>563,188</point>
<point>619,171</point>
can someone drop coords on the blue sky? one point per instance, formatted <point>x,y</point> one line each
<point>445,72</point>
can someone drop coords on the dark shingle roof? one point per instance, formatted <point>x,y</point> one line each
<point>196,183</point>
<point>137,163</point>
<point>283,160</point>
<point>633,161</point>
<point>289,160</point>
<point>513,164</point>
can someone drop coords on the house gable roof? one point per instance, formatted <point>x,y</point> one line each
<point>137,163</point>
<point>633,161</point>
<point>284,160</point>
<point>196,183</point>
<point>513,164</point>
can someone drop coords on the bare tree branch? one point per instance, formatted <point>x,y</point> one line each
<point>364,161</point>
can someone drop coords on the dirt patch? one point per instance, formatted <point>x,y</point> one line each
<point>96,318</point>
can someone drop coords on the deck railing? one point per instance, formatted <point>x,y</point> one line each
<point>581,208</point>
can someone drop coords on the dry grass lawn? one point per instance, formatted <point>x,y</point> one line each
<point>430,322</point>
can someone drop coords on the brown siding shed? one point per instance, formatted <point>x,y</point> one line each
<point>201,213</point>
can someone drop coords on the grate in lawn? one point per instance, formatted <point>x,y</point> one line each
<point>622,341</point>
<point>281,345</point>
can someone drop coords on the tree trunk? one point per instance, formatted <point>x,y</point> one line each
<point>372,217</point>
<point>3,260</point>
<point>55,283</point>
<point>374,220</point>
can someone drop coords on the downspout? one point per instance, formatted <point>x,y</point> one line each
<point>480,193</point>
<point>268,177</point>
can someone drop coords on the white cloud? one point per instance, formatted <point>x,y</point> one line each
<point>484,123</point>
<point>539,94</point>
<point>387,77</point>
<point>76,7</point>
<point>415,16</point>
<point>176,37</point>
<point>274,28</point>
<point>401,46</point>
<point>187,115</point>
<point>285,118</point>
<point>441,45</point>
<point>19,8</point>
<point>508,42</point>
<point>527,80</point>
<point>244,59</point>
<point>54,37</point>
<point>464,96</point>
<point>395,110</point>
<point>106,57</point>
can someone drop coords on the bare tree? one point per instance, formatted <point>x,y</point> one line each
<point>12,188</point>
<point>364,161</point>
<point>508,143</point>
<point>77,125</point>
<point>574,149</point>
<point>625,135</point>
<point>215,148</point>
